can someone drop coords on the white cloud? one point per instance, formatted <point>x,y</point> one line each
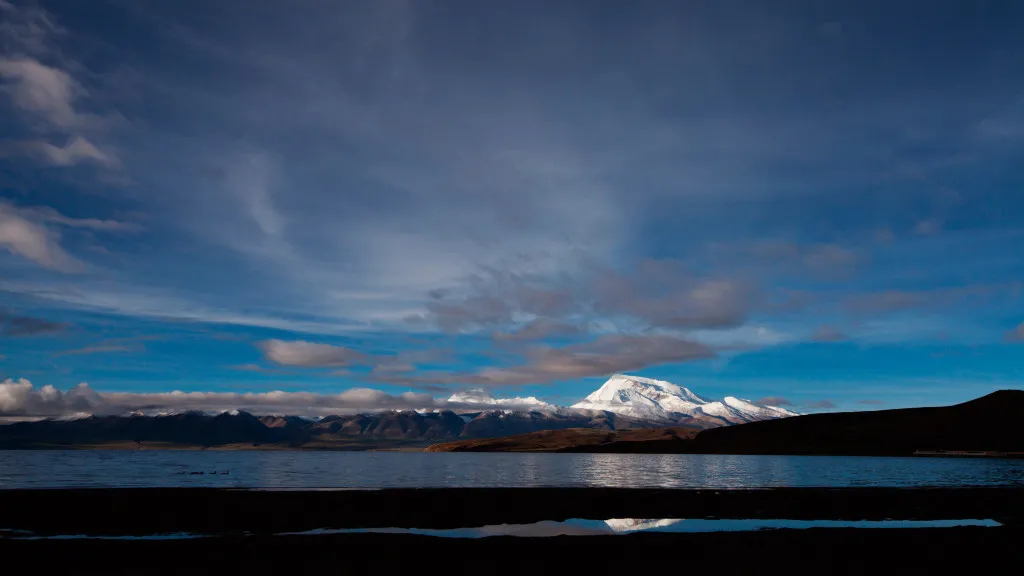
<point>46,92</point>
<point>23,231</point>
<point>19,398</point>
<point>40,89</point>
<point>14,394</point>
<point>33,241</point>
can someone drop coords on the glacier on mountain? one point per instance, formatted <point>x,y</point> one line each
<point>660,401</point>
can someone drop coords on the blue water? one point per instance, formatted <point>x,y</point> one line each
<point>283,470</point>
<point>582,527</point>
<point>571,527</point>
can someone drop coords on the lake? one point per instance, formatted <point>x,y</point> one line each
<point>299,469</point>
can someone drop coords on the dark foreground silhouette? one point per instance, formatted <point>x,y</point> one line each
<point>818,551</point>
<point>242,525</point>
<point>990,423</point>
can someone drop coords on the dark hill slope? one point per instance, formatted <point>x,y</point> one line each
<point>993,422</point>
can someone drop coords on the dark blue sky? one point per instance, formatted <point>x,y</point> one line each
<point>819,201</point>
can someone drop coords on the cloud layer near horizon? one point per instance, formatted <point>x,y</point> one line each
<point>21,399</point>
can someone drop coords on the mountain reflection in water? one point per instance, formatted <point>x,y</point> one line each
<point>581,527</point>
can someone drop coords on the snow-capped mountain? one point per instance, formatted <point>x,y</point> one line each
<point>660,401</point>
<point>641,398</point>
<point>638,524</point>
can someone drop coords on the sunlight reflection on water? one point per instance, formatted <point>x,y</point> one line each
<point>272,469</point>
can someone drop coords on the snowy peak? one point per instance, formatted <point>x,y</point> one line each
<point>641,398</point>
<point>620,387</point>
<point>664,401</point>
<point>638,524</point>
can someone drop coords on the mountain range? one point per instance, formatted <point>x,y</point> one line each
<point>986,426</point>
<point>623,402</point>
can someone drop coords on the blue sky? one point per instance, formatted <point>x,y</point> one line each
<point>820,202</point>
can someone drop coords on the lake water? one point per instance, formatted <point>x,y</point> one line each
<point>571,527</point>
<point>297,469</point>
<point>585,527</point>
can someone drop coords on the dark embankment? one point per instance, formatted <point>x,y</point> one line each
<point>655,441</point>
<point>991,422</point>
<point>924,551</point>
<point>117,512</point>
<point>243,523</point>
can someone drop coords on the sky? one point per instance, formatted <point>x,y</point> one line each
<point>375,204</point>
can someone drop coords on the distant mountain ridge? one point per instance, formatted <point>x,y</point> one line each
<point>989,423</point>
<point>623,402</point>
<point>243,430</point>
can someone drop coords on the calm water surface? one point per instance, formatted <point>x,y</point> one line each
<point>584,527</point>
<point>278,470</point>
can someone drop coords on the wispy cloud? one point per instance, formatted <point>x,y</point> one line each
<point>775,401</point>
<point>11,325</point>
<point>305,354</point>
<point>249,367</point>
<point>828,334</point>
<point>32,232</point>
<point>49,215</point>
<point>98,349</point>
<point>928,227</point>
<point>821,405</point>
<point>655,293</point>
<point>603,356</point>
<point>38,82</point>
<point>540,329</point>
<point>887,301</point>
<point>76,151</point>
<point>820,260</point>
<point>33,241</point>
